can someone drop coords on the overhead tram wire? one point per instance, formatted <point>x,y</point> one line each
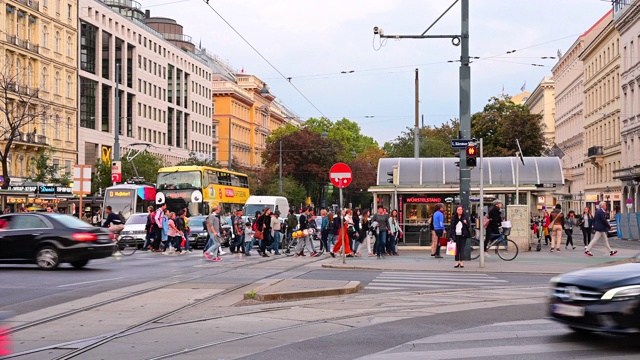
<point>263,57</point>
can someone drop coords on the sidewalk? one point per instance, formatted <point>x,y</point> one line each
<point>529,262</point>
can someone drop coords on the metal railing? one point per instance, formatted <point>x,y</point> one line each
<point>595,151</point>
<point>25,44</point>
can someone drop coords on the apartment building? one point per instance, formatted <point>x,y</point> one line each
<point>160,91</point>
<point>569,124</point>
<point>39,52</point>
<point>601,59</point>
<point>626,16</point>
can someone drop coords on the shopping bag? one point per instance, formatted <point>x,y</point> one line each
<point>443,241</point>
<point>451,248</point>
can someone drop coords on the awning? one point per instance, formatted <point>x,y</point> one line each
<point>498,172</point>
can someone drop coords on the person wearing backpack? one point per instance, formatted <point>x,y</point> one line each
<point>292,223</point>
<point>113,222</point>
<point>150,228</point>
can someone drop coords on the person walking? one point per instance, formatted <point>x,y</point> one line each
<point>394,233</point>
<point>557,223</point>
<point>150,229</point>
<point>248,238</point>
<point>601,226</point>
<point>292,224</point>
<point>438,227</point>
<point>586,226</point>
<point>569,223</point>
<point>324,231</point>
<point>546,222</point>
<point>275,232</point>
<point>364,235</point>
<point>331,232</point>
<point>380,224</point>
<point>238,232</point>
<point>265,226</point>
<point>213,223</point>
<point>459,232</point>
<point>343,238</point>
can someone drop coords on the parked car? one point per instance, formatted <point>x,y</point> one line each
<point>602,299</point>
<point>199,235</point>
<point>134,229</point>
<point>49,239</point>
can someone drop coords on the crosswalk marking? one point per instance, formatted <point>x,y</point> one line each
<point>394,281</point>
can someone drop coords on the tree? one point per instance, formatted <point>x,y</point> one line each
<point>344,131</point>
<point>19,107</point>
<point>194,161</point>
<point>306,157</point>
<point>434,141</point>
<point>502,122</point>
<point>101,178</point>
<point>146,165</point>
<point>42,168</point>
<point>294,192</point>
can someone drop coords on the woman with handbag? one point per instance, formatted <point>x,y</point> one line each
<point>586,225</point>
<point>364,234</point>
<point>459,233</point>
<point>265,228</point>
<point>546,221</point>
<point>394,234</point>
<point>569,223</point>
<point>557,223</point>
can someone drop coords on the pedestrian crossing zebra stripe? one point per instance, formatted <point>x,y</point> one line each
<point>492,337</point>
<point>412,280</point>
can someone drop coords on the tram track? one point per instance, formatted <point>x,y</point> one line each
<point>101,340</point>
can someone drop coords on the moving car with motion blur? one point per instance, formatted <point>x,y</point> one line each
<point>134,230</point>
<point>600,299</point>
<point>49,239</point>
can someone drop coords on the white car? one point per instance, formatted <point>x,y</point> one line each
<point>135,228</point>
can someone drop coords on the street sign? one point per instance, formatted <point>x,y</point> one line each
<point>82,179</point>
<point>116,167</point>
<point>116,177</point>
<point>461,143</point>
<point>546,186</point>
<point>340,175</point>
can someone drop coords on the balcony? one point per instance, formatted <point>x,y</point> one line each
<point>30,3</point>
<point>14,40</point>
<point>596,155</point>
<point>23,90</point>
<point>28,138</point>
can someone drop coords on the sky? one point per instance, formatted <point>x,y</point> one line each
<point>313,42</point>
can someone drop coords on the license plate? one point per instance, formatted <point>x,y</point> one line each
<point>568,310</point>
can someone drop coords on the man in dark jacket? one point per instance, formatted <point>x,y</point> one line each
<point>601,226</point>
<point>495,221</point>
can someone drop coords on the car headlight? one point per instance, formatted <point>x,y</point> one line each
<point>622,293</point>
<point>203,234</point>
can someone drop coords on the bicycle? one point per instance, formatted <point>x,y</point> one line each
<point>506,249</point>
<point>124,245</point>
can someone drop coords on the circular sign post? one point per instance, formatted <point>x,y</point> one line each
<point>340,175</point>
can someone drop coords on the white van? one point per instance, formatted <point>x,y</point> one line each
<point>258,203</point>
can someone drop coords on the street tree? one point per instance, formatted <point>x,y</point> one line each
<point>435,141</point>
<point>146,165</point>
<point>292,190</point>
<point>501,122</point>
<point>41,168</point>
<point>19,108</point>
<point>101,178</point>
<point>345,132</point>
<point>194,161</point>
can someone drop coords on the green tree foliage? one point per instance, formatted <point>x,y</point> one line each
<point>502,122</point>
<point>294,192</point>
<point>145,163</point>
<point>42,169</point>
<point>344,131</point>
<point>101,178</point>
<point>194,161</point>
<point>435,141</point>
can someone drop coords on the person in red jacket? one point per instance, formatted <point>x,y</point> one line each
<point>343,238</point>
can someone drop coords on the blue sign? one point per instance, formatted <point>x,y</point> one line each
<point>461,143</point>
<point>47,190</point>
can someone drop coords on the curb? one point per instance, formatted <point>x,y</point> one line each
<point>484,270</point>
<point>262,293</point>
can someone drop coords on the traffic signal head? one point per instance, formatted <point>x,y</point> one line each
<point>394,179</point>
<point>472,153</point>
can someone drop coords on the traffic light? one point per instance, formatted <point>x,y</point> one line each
<point>472,153</point>
<point>394,179</point>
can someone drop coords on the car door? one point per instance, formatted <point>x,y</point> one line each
<point>22,235</point>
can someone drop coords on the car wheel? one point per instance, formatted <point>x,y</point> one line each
<point>48,258</point>
<point>580,330</point>
<point>79,264</point>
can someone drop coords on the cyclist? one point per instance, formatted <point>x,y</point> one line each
<point>113,221</point>
<point>493,227</point>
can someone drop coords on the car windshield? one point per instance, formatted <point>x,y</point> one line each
<point>70,221</point>
<point>197,222</point>
<point>251,209</point>
<point>180,180</point>
<point>137,219</point>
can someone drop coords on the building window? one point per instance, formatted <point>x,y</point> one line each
<point>56,127</point>
<point>87,103</point>
<point>57,83</point>
<point>69,86</point>
<point>69,46</point>
<point>57,42</point>
<point>57,6</point>
<point>45,35</point>
<point>68,129</point>
<point>69,11</point>
<point>88,48</point>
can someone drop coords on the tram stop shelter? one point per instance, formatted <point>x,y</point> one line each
<point>424,182</point>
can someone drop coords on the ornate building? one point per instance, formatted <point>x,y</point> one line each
<point>39,52</point>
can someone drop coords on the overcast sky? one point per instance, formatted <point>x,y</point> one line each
<point>314,41</point>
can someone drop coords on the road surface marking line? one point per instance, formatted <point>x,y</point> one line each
<point>90,282</point>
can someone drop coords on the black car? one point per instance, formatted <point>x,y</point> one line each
<point>48,239</point>
<point>198,233</point>
<point>605,299</point>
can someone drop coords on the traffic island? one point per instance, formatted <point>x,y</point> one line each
<point>292,289</point>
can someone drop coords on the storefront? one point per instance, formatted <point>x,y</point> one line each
<point>425,182</point>
<point>36,196</point>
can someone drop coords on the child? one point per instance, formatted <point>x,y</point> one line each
<point>248,238</point>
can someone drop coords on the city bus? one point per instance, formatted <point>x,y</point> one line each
<point>199,188</point>
<point>129,198</point>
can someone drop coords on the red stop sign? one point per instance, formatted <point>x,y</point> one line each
<point>340,175</point>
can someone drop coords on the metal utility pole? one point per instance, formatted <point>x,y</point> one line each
<point>465,86</point>
<point>481,208</point>
<point>116,140</point>
<point>280,166</point>
<point>416,135</point>
<point>229,162</point>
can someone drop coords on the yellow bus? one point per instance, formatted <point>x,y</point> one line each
<point>199,188</point>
